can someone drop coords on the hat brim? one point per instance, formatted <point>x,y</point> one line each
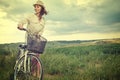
<point>38,4</point>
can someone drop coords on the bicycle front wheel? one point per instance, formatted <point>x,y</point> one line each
<point>28,68</point>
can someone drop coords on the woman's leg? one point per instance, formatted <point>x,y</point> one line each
<point>36,67</point>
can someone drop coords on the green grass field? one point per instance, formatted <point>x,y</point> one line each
<point>65,60</point>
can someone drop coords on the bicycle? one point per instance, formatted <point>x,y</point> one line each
<point>28,66</point>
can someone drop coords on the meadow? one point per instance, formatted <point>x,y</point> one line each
<point>70,60</point>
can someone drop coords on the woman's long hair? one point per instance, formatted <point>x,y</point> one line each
<point>43,12</point>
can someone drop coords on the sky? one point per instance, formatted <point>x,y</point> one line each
<point>66,19</point>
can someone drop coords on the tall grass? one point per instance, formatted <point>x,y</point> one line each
<point>95,62</point>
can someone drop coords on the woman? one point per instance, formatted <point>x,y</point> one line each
<point>35,22</point>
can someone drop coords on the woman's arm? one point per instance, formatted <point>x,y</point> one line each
<point>42,26</point>
<point>22,22</point>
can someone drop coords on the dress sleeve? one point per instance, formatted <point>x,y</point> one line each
<point>24,20</point>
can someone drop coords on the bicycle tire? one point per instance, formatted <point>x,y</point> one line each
<point>19,73</point>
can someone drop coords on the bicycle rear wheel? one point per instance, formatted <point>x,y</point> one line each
<point>29,70</point>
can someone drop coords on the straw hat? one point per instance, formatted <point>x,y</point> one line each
<point>39,3</point>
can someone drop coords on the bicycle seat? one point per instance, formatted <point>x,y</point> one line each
<point>23,46</point>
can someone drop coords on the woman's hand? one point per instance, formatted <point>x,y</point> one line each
<point>37,36</point>
<point>20,27</point>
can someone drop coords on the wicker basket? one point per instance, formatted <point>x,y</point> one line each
<point>35,44</point>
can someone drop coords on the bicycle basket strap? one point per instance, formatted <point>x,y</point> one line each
<point>36,44</point>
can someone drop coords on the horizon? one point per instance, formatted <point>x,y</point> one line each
<point>67,40</point>
<point>66,19</point>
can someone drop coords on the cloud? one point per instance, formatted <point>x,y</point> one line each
<point>65,17</point>
<point>108,12</point>
<point>87,16</point>
<point>2,13</point>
